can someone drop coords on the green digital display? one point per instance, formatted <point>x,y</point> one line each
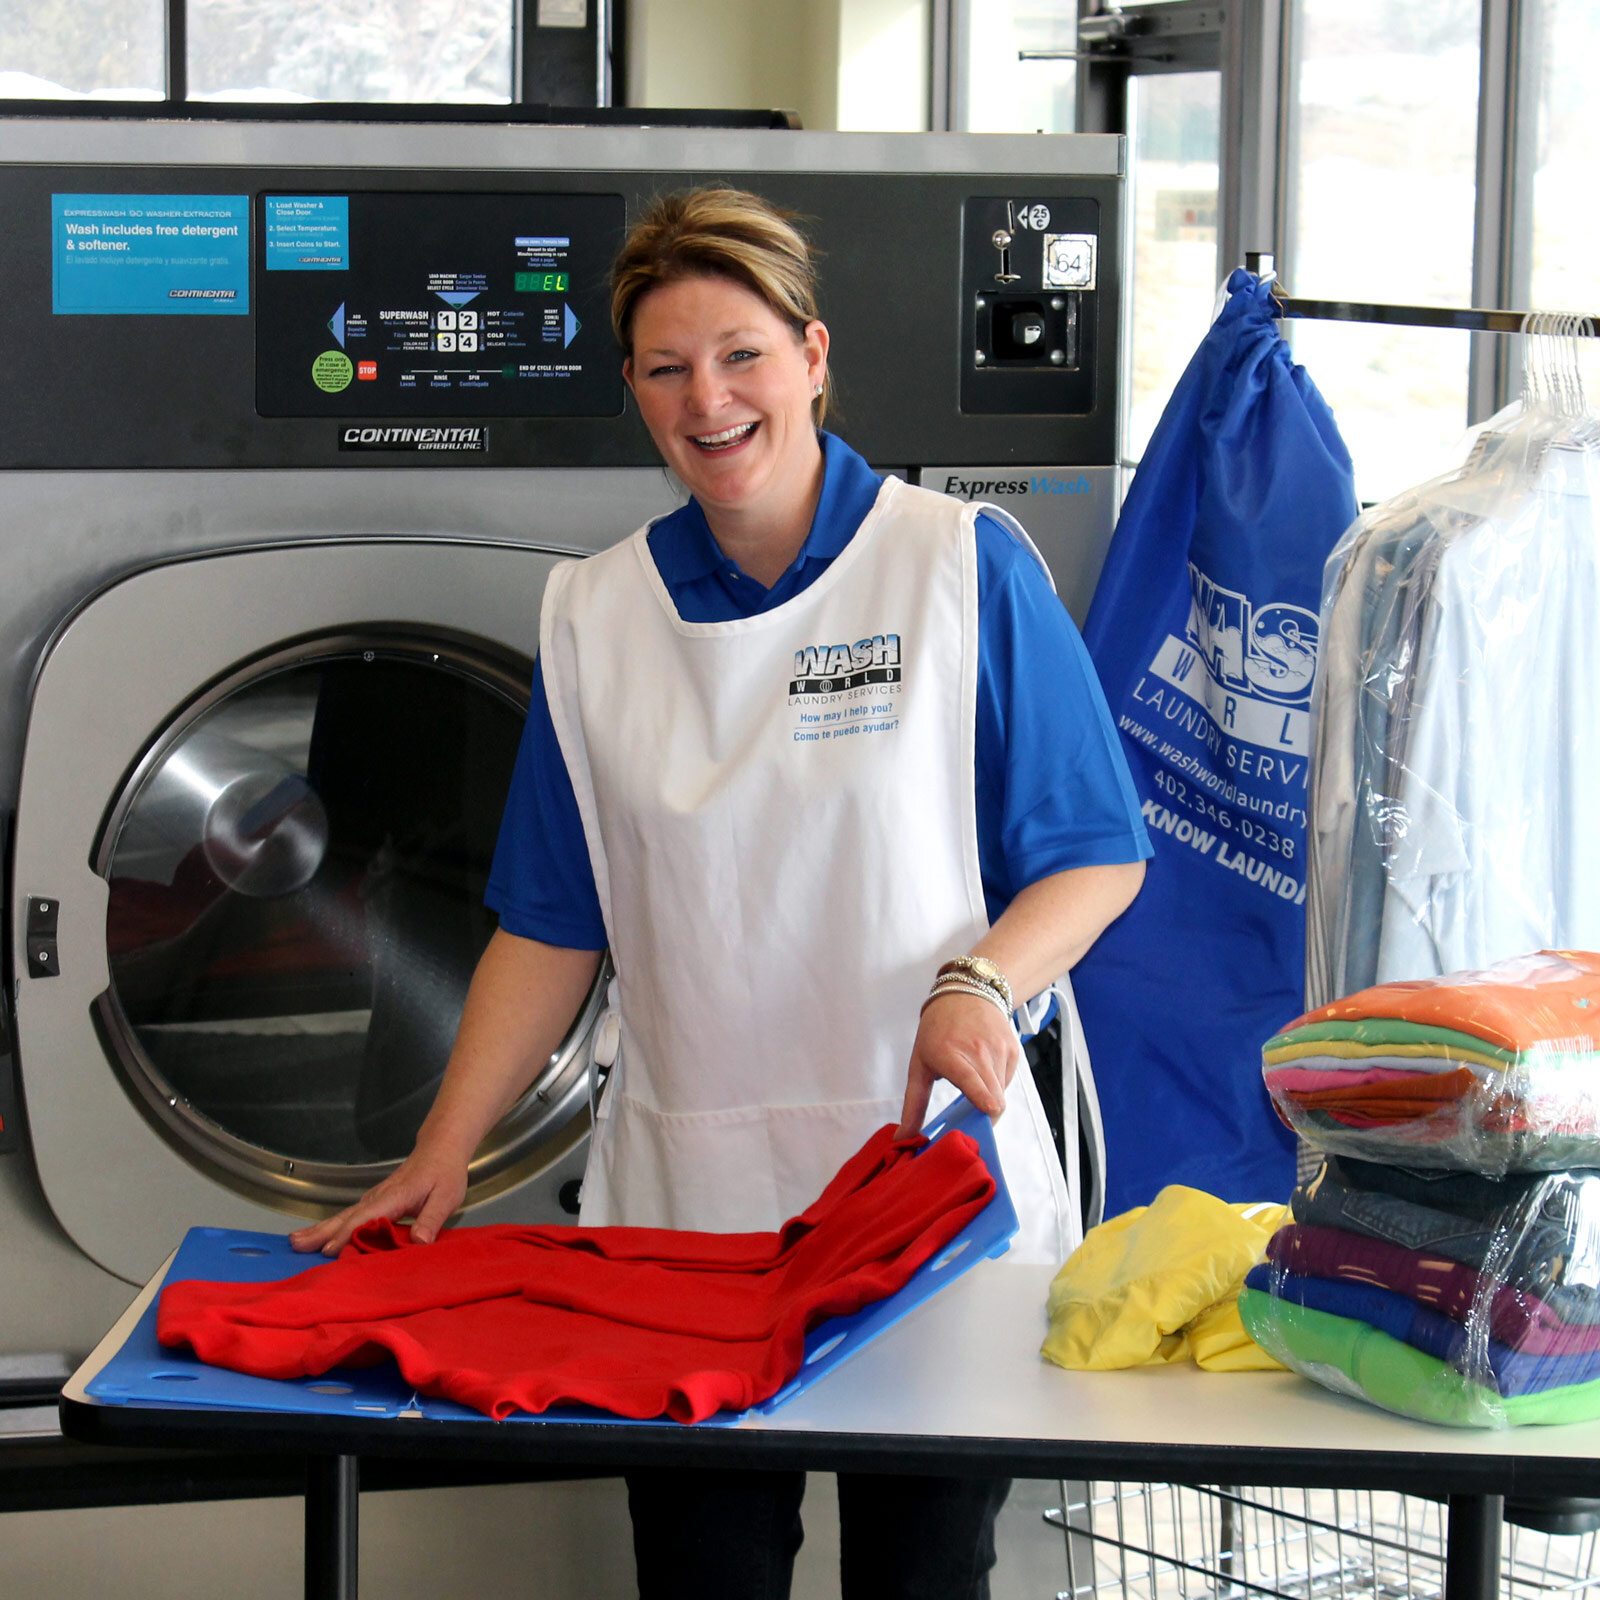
<point>542,282</point>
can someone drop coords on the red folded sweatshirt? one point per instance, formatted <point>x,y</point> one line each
<point>644,1322</point>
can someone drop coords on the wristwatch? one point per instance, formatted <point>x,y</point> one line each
<point>984,970</point>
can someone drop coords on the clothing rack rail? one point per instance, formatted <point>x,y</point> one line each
<point>1474,319</point>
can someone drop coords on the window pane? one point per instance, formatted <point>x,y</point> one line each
<point>1562,39</point>
<point>57,49</point>
<point>1175,119</point>
<point>1387,106</point>
<point>1008,95</point>
<point>418,51</point>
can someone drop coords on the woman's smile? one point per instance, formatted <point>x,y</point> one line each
<point>728,439</point>
<point>725,386</point>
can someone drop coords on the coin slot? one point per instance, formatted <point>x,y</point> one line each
<point>1026,330</point>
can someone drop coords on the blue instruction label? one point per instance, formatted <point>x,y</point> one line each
<point>150,254</point>
<point>309,233</point>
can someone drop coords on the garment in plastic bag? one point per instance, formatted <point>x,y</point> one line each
<point>1204,633</point>
<point>1451,790</point>
<point>1492,1071</point>
<point>1444,1260</point>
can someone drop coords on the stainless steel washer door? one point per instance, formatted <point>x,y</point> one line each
<point>287,872</point>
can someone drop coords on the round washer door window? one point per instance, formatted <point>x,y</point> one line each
<point>297,869</point>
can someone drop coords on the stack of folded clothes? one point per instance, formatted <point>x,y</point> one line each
<point>1444,1261</point>
<point>1494,1071</point>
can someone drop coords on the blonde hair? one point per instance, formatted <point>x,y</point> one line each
<point>719,233</point>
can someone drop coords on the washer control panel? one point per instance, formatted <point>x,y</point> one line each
<point>311,309</point>
<point>401,304</point>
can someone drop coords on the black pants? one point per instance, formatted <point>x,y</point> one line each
<point>734,1535</point>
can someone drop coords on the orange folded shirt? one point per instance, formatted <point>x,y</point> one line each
<point>1550,998</point>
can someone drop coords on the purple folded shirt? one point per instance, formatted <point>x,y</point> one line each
<point>1516,1318</point>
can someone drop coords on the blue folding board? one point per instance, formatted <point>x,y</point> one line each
<point>142,1373</point>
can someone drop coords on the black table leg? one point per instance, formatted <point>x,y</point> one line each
<point>1472,1547</point>
<point>333,1521</point>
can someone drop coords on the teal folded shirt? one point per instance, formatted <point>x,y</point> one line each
<point>1357,1359</point>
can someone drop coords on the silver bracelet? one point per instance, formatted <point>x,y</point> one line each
<point>980,970</point>
<point>953,984</point>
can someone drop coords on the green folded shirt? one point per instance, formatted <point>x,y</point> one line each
<point>1356,1359</point>
<point>1377,1031</point>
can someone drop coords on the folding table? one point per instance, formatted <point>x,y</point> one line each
<point>955,1386</point>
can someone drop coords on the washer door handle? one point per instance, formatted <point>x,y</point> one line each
<point>44,961</point>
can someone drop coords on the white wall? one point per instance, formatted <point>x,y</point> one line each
<point>883,65</point>
<point>850,64</point>
<point>563,1541</point>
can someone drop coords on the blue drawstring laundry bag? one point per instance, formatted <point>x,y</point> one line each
<point>1204,632</point>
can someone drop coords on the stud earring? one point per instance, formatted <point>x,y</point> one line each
<point>816,393</point>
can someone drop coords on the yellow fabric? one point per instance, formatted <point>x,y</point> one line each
<point>1160,1284</point>
<point>1218,1342</point>
<point>1351,1050</point>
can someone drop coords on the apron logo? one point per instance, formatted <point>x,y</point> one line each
<point>832,668</point>
<point>838,691</point>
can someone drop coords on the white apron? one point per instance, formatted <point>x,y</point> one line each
<point>780,816</point>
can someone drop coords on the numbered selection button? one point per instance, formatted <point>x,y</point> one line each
<point>1069,260</point>
<point>466,320</point>
<point>466,341</point>
<point>444,341</point>
<point>445,320</point>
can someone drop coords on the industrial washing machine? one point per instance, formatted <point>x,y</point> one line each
<point>300,418</point>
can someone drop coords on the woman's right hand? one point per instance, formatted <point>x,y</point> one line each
<point>426,1186</point>
<point>523,998</point>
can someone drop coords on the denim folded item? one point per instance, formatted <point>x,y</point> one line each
<point>1533,1254</point>
<point>1471,1194</point>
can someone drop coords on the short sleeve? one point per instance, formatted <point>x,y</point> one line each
<point>1053,788</point>
<point>541,883</point>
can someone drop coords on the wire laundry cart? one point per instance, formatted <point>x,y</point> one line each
<point>1148,1541</point>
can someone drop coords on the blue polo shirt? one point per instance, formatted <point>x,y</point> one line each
<point>1053,790</point>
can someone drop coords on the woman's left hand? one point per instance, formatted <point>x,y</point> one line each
<point>969,1043</point>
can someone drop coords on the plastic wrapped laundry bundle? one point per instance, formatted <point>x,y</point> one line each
<point>1444,1260</point>
<point>1491,1072</point>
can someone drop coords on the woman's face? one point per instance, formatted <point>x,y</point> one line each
<point>725,388</point>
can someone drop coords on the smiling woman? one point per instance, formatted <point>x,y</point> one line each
<point>726,389</point>
<point>714,302</point>
<point>796,751</point>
